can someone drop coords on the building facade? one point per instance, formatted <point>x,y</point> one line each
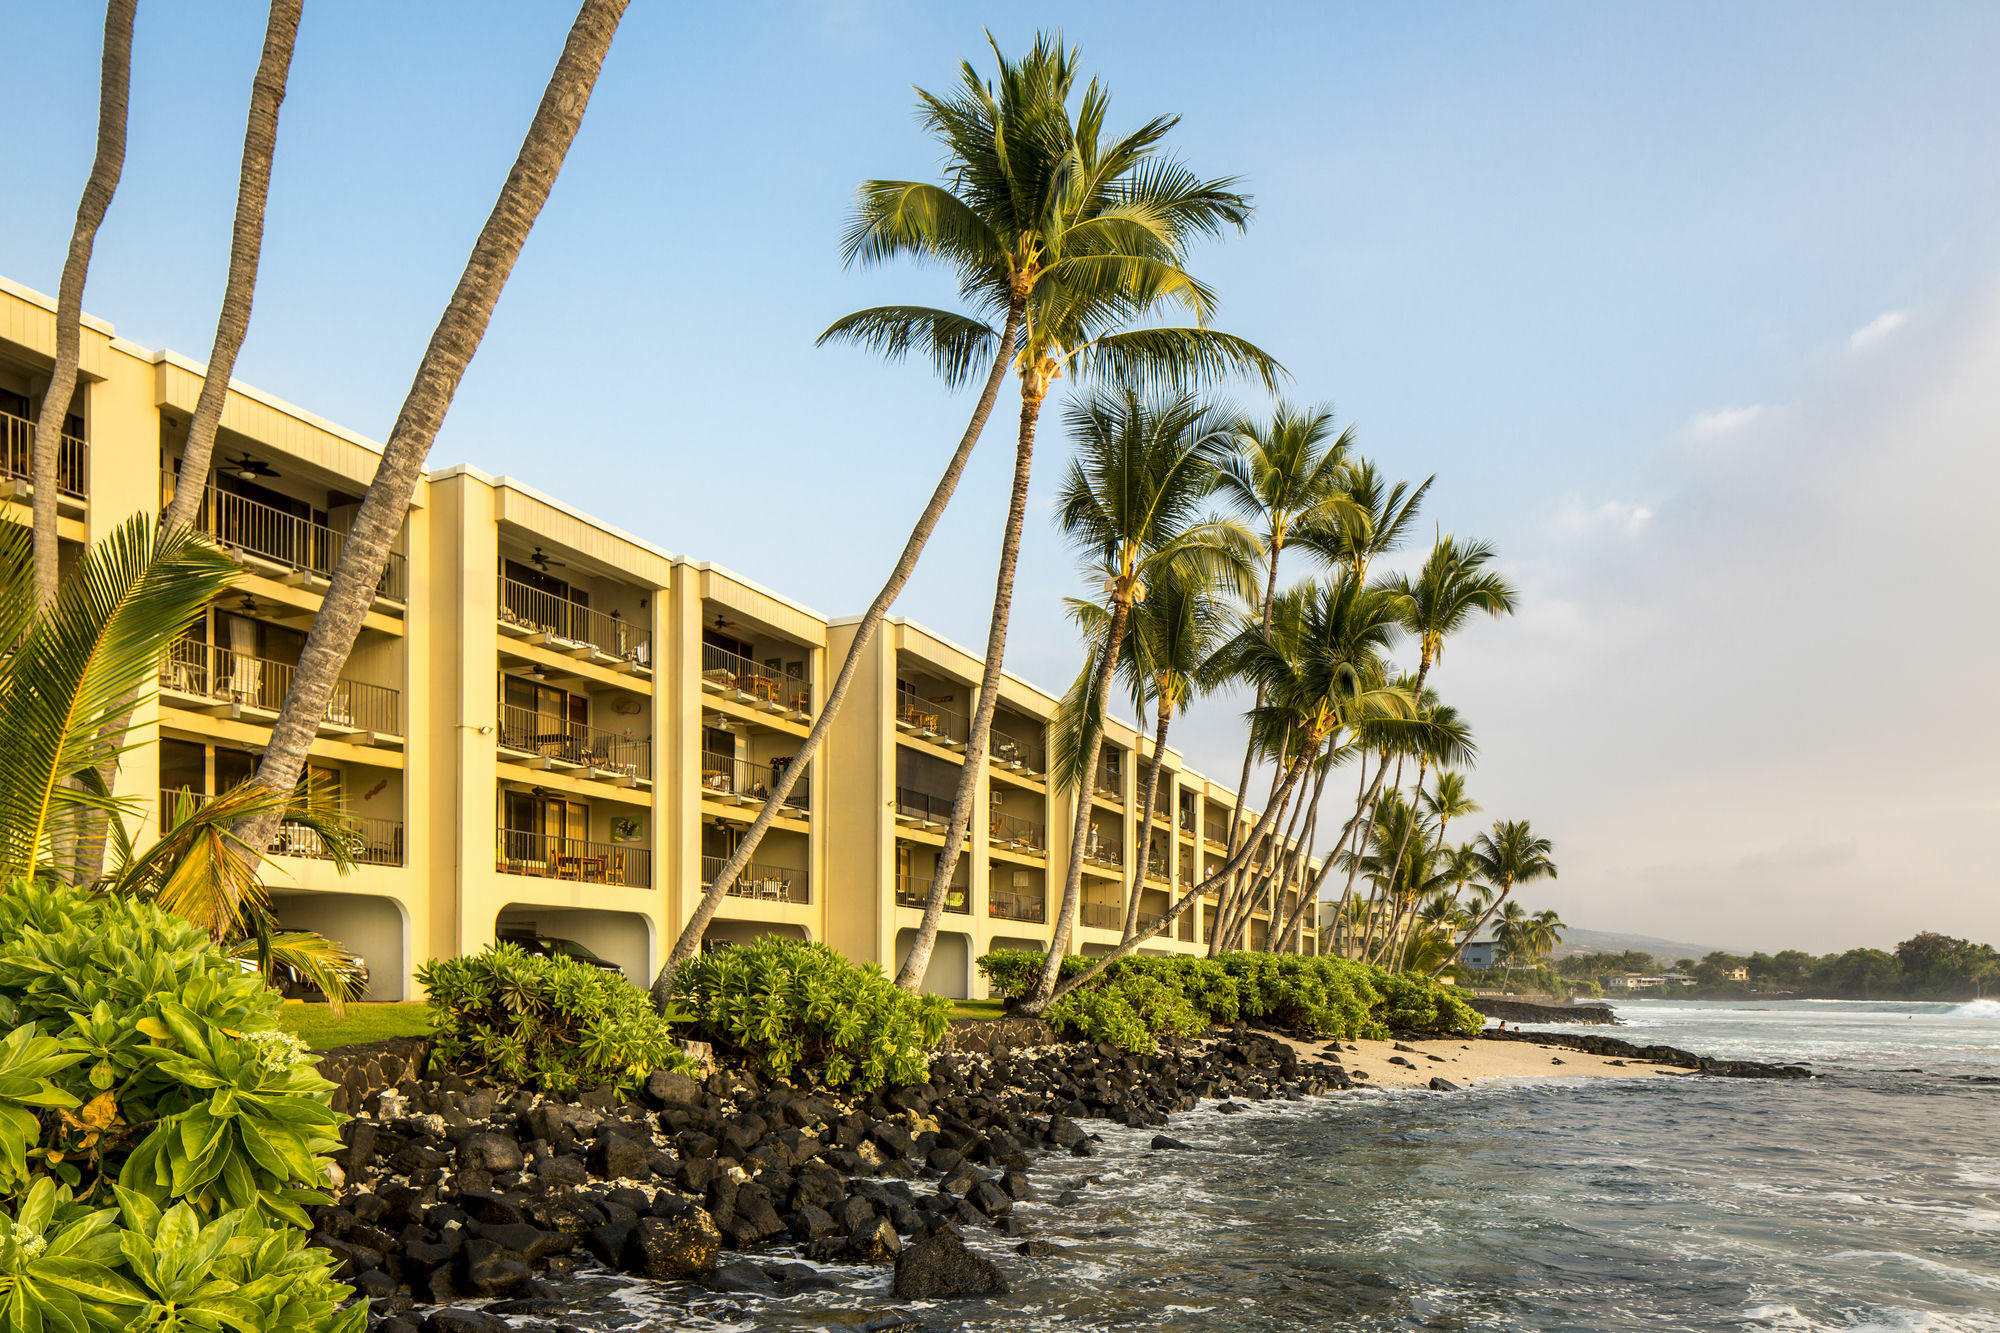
<point>549,726</point>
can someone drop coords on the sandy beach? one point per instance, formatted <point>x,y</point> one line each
<point>1466,1062</point>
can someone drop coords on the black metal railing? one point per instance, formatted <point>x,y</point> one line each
<point>1147,920</point>
<point>1006,750</point>
<point>573,623</point>
<point>914,804</point>
<point>762,883</point>
<point>915,891</point>
<point>259,529</point>
<point>1102,916</point>
<point>17,457</point>
<point>370,841</point>
<point>549,856</point>
<point>201,669</point>
<point>1017,834</point>
<point>725,775</point>
<point>1018,907</point>
<point>1156,863</point>
<point>1103,851</point>
<point>620,755</point>
<point>736,675</point>
<point>1109,783</point>
<point>919,717</point>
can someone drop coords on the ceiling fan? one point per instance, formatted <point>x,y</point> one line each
<point>247,468</point>
<point>724,622</point>
<point>541,561</point>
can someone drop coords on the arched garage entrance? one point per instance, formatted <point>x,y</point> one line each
<point>624,938</point>
<point>950,972</point>
<point>364,924</point>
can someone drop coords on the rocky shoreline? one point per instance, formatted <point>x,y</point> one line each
<point>454,1193</point>
<point>1526,1011</point>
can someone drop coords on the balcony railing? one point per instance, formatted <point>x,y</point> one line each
<point>1109,784</point>
<point>922,806</point>
<point>229,678</point>
<point>572,625</point>
<point>17,457</point>
<point>1017,834</point>
<point>762,883</point>
<point>1103,852</point>
<point>286,539</point>
<point>915,891</point>
<point>548,856</point>
<point>1007,751</point>
<point>370,841</point>
<point>605,754</point>
<point>736,676</point>
<point>1156,865</point>
<point>1017,907</point>
<point>724,777</point>
<point>1147,920</point>
<point>919,717</point>
<point>1102,916</point>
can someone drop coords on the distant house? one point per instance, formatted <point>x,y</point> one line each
<point>1631,981</point>
<point>1736,974</point>
<point>1479,954</point>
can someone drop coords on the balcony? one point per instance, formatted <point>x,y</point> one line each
<point>550,743</point>
<point>1007,752</point>
<point>1109,784</point>
<point>762,883</point>
<point>228,683</point>
<point>1101,916</point>
<point>573,629</point>
<point>1103,852</point>
<point>309,550</point>
<point>734,781</point>
<point>1015,834</point>
<point>1156,865</point>
<point>918,717</point>
<point>735,677</point>
<point>370,842</point>
<point>915,891</point>
<point>578,860</point>
<point>1032,907</point>
<point>1147,920</point>
<point>917,809</point>
<point>17,459</point>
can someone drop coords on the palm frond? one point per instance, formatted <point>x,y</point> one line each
<point>957,345</point>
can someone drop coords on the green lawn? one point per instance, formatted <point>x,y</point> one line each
<point>362,1022</point>
<point>978,1009</point>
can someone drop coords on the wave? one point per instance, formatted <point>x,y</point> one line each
<point>1975,1009</point>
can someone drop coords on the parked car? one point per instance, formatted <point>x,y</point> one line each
<point>549,946</point>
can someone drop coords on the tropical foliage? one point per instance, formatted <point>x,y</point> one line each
<point>553,1023</point>
<point>160,1139</point>
<point>801,1011</point>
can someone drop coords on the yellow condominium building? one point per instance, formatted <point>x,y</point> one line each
<point>552,728</point>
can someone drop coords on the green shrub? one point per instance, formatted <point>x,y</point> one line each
<point>1128,1009</point>
<point>797,1010</point>
<point>159,1139</point>
<point>552,1023</point>
<point>1418,1004</point>
<point>1331,997</point>
<point>1012,973</point>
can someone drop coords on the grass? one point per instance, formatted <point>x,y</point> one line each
<point>978,1009</point>
<point>321,1031</point>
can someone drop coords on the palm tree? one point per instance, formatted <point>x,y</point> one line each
<point>1448,591</point>
<point>1081,236</point>
<point>1131,505</point>
<point>365,552</point>
<point>1444,738</point>
<point>253,188</point>
<point>1373,522</point>
<point>1289,472</point>
<point>1448,800</point>
<point>1508,855</point>
<point>1510,937</point>
<point>114,94</point>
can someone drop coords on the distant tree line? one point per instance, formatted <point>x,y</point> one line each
<point>1927,966</point>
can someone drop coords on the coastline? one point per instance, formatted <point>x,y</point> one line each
<point>461,1202</point>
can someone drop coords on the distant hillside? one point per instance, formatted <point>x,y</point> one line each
<point>1577,941</point>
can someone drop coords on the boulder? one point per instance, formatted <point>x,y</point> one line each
<point>877,1244</point>
<point>615,1157</point>
<point>743,1277</point>
<point>941,1266</point>
<point>669,1249</point>
<point>1443,1085</point>
<point>495,1154</point>
<point>464,1321</point>
<point>1163,1142</point>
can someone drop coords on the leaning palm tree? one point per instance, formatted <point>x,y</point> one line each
<point>114,95</point>
<point>253,188</point>
<point>365,551</point>
<point>1132,506</point>
<point>1078,237</point>
<point>1373,522</point>
<point>1448,800</point>
<point>1509,855</point>
<point>1453,586</point>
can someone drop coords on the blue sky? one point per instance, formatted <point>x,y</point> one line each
<point>1600,268</point>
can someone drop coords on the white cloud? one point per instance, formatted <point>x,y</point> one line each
<point>1618,516</point>
<point>1876,329</point>
<point>1724,420</point>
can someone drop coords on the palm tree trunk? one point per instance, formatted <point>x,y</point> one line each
<point>1216,941</point>
<point>1307,891</point>
<point>1121,610</point>
<point>1367,802</point>
<point>1258,837</point>
<point>1233,907</point>
<point>911,978</point>
<point>456,338</point>
<point>253,188</point>
<point>864,633</point>
<point>1283,861</point>
<point>113,98</point>
<point>1311,892</point>
<point>1164,708</point>
<point>1505,889</point>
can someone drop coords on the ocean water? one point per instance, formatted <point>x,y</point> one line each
<point>1865,1199</point>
